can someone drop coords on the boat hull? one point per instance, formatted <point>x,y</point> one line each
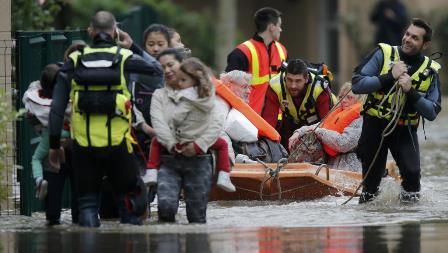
<point>295,181</point>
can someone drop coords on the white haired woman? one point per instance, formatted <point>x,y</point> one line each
<point>339,132</point>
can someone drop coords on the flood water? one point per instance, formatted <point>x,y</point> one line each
<point>323,225</point>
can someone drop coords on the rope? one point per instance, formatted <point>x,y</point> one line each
<point>272,173</point>
<point>273,194</point>
<point>397,109</point>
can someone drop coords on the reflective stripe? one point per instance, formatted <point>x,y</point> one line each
<point>281,53</point>
<point>256,79</point>
<point>97,64</point>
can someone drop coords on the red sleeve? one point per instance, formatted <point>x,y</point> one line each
<point>323,105</point>
<point>271,108</point>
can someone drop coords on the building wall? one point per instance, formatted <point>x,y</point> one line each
<point>358,13</point>
<point>5,17</point>
<point>315,29</point>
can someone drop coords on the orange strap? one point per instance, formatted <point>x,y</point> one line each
<point>264,129</point>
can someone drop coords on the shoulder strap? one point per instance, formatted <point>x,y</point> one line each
<point>283,89</point>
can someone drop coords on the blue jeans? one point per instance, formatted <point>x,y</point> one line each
<point>194,176</point>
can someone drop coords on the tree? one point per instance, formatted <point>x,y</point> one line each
<point>29,15</point>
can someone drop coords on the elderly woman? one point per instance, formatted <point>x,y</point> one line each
<point>339,132</point>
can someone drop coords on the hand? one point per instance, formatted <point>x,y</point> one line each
<point>292,140</point>
<point>399,69</point>
<point>188,150</point>
<point>177,148</point>
<point>389,13</point>
<point>149,131</point>
<point>124,39</point>
<point>56,157</point>
<point>405,82</point>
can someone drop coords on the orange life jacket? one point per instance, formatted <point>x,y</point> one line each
<point>264,128</point>
<point>262,67</point>
<point>338,120</point>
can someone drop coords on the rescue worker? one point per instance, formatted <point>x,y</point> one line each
<point>95,80</point>
<point>402,67</point>
<point>303,97</point>
<point>261,55</point>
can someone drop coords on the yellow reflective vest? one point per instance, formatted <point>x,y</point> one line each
<point>262,67</point>
<point>101,114</point>
<point>307,114</point>
<point>421,80</point>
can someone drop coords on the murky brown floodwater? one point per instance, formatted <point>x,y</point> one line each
<point>322,225</point>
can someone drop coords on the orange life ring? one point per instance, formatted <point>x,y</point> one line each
<point>264,128</point>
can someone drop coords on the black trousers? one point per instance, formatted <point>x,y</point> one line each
<point>56,182</point>
<point>404,147</point>
<point>92,164</point>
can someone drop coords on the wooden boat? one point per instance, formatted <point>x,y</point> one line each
<point>293,181</point>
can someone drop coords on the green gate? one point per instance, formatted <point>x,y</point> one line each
<point>34,51</point>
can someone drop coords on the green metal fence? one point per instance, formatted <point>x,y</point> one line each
<point>34,50</point>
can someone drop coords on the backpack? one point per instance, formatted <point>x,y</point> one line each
<point>320,69</point>
<point>264,149</point>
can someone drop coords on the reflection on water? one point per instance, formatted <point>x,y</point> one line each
<point>413,237</point>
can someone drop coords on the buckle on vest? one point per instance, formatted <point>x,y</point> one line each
<point>312,119</point>
<point>285,103</point>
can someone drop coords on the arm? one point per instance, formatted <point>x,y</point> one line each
<point>342,142</point>
<point>323,105</point>
<point>137,65</point>
<point>145,56</point>
<point>271,108</point>
<point>61,95</point>
<point>140,123</point>
<point>302,130</point>
<point>126,41</point>
<point>299,133</point>
<point>162,129</point>
<point>366,78</point>
<point>237,60</point>
<point>428,105</point>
